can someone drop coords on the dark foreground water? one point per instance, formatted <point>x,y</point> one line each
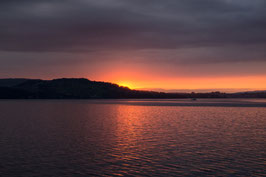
<point>132,138</point>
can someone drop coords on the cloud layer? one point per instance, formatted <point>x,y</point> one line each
<point>169,31</point>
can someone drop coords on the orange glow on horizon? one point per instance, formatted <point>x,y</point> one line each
<point>144,81</point>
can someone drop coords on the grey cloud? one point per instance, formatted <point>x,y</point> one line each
<point>113,25</point>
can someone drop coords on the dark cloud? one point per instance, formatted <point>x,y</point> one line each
<point>228,30</point>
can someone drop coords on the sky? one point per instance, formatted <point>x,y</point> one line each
<point>142,44</point>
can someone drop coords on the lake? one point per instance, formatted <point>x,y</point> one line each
<point>57,138</point>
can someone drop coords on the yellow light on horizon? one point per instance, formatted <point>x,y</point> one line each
<point>126,84</point>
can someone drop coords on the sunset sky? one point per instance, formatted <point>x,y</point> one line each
<point>142,44</point>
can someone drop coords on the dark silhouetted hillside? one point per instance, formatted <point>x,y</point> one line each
<point>70,89</point>
<point>86,89</point>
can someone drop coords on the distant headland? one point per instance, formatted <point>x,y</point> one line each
<point>80,88</point>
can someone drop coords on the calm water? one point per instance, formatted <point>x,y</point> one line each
<point>132,138</point>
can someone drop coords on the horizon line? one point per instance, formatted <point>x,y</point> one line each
<point>183,90</point>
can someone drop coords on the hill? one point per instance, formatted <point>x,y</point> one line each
<point>67,89</point>
<point>72,88</point>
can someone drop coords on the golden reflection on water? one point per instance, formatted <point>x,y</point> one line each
<point>129,133</point>
<point>128,130</point>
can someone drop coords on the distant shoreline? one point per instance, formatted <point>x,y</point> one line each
<point>80,88</point>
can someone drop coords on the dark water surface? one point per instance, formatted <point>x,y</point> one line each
<point>57,138</point>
